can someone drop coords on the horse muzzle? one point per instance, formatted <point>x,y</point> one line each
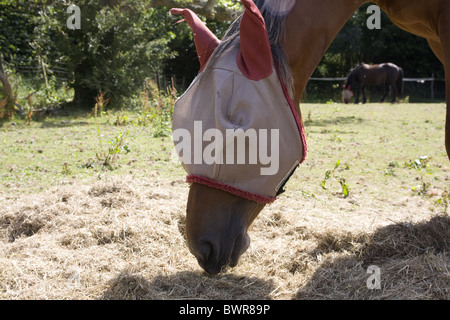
<point>216,226</point>
<point>215,258</point>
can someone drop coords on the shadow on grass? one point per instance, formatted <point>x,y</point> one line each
<point>188,285</point>
<point>333,121</point>
<point>63,123</point>
<point>412,260</point>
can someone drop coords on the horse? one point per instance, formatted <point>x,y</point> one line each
<point>217,220</point>
<point>364,75</point>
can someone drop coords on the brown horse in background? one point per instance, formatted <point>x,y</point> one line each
<point>217,222</point>
<point>372,75</point>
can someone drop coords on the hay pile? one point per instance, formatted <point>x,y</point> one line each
<point>414,261</point>
<point>71,241</point>
<point>123,238</point>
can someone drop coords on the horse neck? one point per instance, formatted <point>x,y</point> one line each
<point>310,28</point>
<point>350,80</point>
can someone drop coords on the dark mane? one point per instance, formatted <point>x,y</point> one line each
<point>351,77</point>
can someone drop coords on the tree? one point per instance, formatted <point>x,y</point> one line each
<point>219,10</point>
<point>113,52</point>
<point>119,45</point>
<point>16,30</point>
<point>356,43</point>
<point>7,103</point>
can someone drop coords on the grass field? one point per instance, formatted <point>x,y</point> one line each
<point>374,190</point>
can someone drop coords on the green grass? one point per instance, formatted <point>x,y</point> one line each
<point>57,150</point>
<point>382,149</point>
<point>377,146</point>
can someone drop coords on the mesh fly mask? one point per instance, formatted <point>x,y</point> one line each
<point>236,128</point>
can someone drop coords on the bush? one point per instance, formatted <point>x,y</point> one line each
<point>115,50</point>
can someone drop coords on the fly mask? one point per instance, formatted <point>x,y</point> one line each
<point>236,128</point>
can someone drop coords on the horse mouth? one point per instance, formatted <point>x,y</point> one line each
<point>213,262</point>
<point>241,245</point>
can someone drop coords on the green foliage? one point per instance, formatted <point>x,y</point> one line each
<point>418,164</point>
<point>389,171</point>
<point>422,188</point>
<point>355,43</point>
<point>36,94</point>
<point>154,108</point>
<point>123,43</point>
<point>115,50</point>
<point>16,31</point>
<point>444,200</point>
<point>163,112</point>
<point>116,144</point>
<point>331,175</point>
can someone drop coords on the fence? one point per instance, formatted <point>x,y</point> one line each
<point>417,89</point>
<point>317,89</point>
<point>38,68</point>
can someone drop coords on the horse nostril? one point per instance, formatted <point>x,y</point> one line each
<point>205,252</point>
<point>207,257</point>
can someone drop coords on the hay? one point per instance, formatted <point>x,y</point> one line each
<point>123,238</point>
<point>403,240</point>
<point>413,259</point>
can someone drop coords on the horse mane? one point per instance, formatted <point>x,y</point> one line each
<point>275,25</point>
<point>350,79</point>
<point>352,75</point>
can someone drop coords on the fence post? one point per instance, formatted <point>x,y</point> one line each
<point>432,86</point>
<point>44,72</point>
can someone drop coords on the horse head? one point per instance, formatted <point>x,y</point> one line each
<point>229,129</point>
<point>347,93</point>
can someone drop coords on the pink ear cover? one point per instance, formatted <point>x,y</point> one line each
<point>255,57</point>
<point>205,41</point>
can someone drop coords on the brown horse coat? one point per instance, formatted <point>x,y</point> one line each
<point>217,222</point>
<point>372,75</point>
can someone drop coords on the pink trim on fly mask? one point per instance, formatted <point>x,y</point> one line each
<point>301,128</point>
<point>227,188</point>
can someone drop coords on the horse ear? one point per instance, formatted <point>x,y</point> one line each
<point>255,57</point>
<point>205,41</point>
